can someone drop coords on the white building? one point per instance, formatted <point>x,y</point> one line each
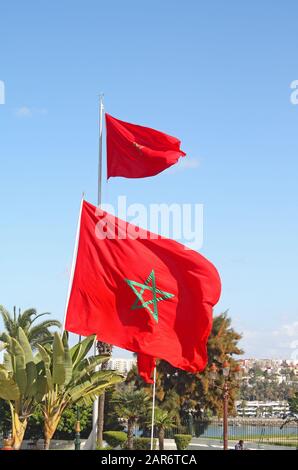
<point>122,365</point>
<point>262,409</point>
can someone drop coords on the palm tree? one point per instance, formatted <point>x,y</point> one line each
<point>71,378</point>
<point>21,382</point>
<point>163,420</point>
<point>131,405</point>
<point>54,378</point>
<point>37,334</point>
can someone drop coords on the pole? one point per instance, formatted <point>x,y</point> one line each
<point>78,430</point>
<point>225,415</point>
<point>153,409</point>
<point>98,405</point>
<point>99,187</point>
<point>77,441</point>
<point>94,423</point>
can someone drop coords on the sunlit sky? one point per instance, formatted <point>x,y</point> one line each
<point>215,74</point>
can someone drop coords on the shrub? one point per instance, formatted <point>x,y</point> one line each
<point>115,438</point>
<point>143,443</point>
<point>182,441</point>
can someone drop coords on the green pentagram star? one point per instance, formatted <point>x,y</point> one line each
<point>158,295</point>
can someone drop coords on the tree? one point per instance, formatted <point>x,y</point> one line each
<point>111,420</point>
<point>163,420</point>
<point>194,392</point>
<point>5,416</point>
<point>66,426</point>
<point>71,378</point>
<point>21,382</point>
<point>131,404</point>
<point>36,333</point>
<point>293,402</point>
<point>55,378</point>
<point>266,387</point>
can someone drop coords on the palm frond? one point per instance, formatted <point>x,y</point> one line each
<point>24,319</point>
<point>42,328</point>
<point>7,319</point>
<point>40,315</point>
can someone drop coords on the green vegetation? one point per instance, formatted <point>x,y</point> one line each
<point>115,438</point>
<point>47,383</point>
<point>131,405</point>
<point>182,441</point>
<point>22,382</point>
<point>65,428</point>
<point>263,386</point>
<point>70,378</point>
<point>163,420</point>
<point>293,402</point>
<point>143,443</point>
<point>36,333</point>
<point>179,391</point>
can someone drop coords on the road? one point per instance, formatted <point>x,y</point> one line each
<point>216,444</point>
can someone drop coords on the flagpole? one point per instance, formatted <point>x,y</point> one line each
<point>73,264</point>
<point>96,403</point>
<point>153,408</point>
<point>99,190</point>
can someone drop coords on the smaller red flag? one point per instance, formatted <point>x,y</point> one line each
<point>135,151</point>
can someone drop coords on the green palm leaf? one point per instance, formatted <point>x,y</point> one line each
<point>88,365</point>
<point>7,320</point>
<point>59,372</point>
<point>80,350</point>
<point>86,391</point>
<point>67,359</point>
<point>24,319</point>
<point>17,353</point>
<point>30,365</point>
<point>8,388</point>
<point>8,362</point>
<point>42,382</point>
<point>47,364</point>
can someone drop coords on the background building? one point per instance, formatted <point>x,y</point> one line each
<point>262,409</point>
<point>122,365</point>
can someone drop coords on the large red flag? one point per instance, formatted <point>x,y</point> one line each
<point>136,152</point>
<point>148,294</point>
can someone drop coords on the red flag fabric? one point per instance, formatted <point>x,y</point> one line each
<point>146,366</point>
<point>135,151</point>
<point>148,294</point>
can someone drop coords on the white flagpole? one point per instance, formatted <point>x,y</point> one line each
<point>153,408</point>
<point>99,202</point>
<point>73,264</point>
<point>101,112</point>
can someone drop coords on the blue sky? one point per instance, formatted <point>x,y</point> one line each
<point>217,75</point>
